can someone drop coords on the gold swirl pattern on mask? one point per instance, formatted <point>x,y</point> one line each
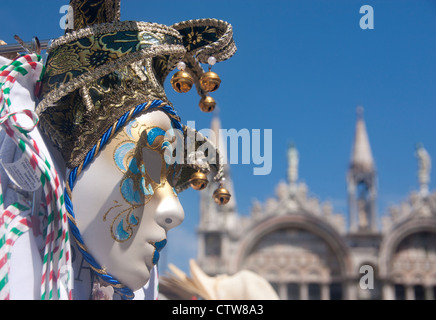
<point>137,186</point>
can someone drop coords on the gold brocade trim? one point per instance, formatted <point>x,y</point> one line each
<point>55,95</point>
<point>84,92</point>
<point>222,49</point>
<point>118,26</point>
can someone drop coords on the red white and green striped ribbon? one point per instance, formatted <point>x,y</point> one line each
<point>57,255</point>
<point>12,225</point>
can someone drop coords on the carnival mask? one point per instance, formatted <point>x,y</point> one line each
<point>141,151</point>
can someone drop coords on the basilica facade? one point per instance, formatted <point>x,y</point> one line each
<point>306,251</point>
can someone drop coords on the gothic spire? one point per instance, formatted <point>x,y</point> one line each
<point>361,182</point>
<point>361,157</point>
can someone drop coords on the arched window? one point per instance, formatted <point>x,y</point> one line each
<point>419,292</point>
<point>314,291</point>
<point>336,291</point>
<point>414,262</point>
<point>305,265</point>
<point>400,292</point>
<point>293,291</point>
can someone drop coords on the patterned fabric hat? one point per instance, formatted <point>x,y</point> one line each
<point>104,69</point>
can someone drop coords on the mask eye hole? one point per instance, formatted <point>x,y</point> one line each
<point>152,164</point>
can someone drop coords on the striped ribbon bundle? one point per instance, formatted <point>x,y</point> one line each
<point>12,225</point>
<point>57,268</point>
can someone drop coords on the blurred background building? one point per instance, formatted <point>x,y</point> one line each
<point>307,251</point>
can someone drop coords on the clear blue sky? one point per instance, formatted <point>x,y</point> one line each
<point>301,69</point>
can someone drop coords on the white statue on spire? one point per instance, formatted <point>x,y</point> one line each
<point>424,168</point>
<point>293,160</point>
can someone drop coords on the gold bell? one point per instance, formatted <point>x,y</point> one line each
<point>210,81</point>
<point>207,104</point>
<point>198,181</point>
<point>182,81</point>
<point>221,195</point>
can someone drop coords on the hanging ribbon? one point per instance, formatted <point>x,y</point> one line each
<point>56,256</point>
<point>11,118</point>
<point>12,225</point>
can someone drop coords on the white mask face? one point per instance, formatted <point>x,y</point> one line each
<point>125,203</point>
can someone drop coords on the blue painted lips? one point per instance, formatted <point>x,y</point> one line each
<point>158,248</point>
